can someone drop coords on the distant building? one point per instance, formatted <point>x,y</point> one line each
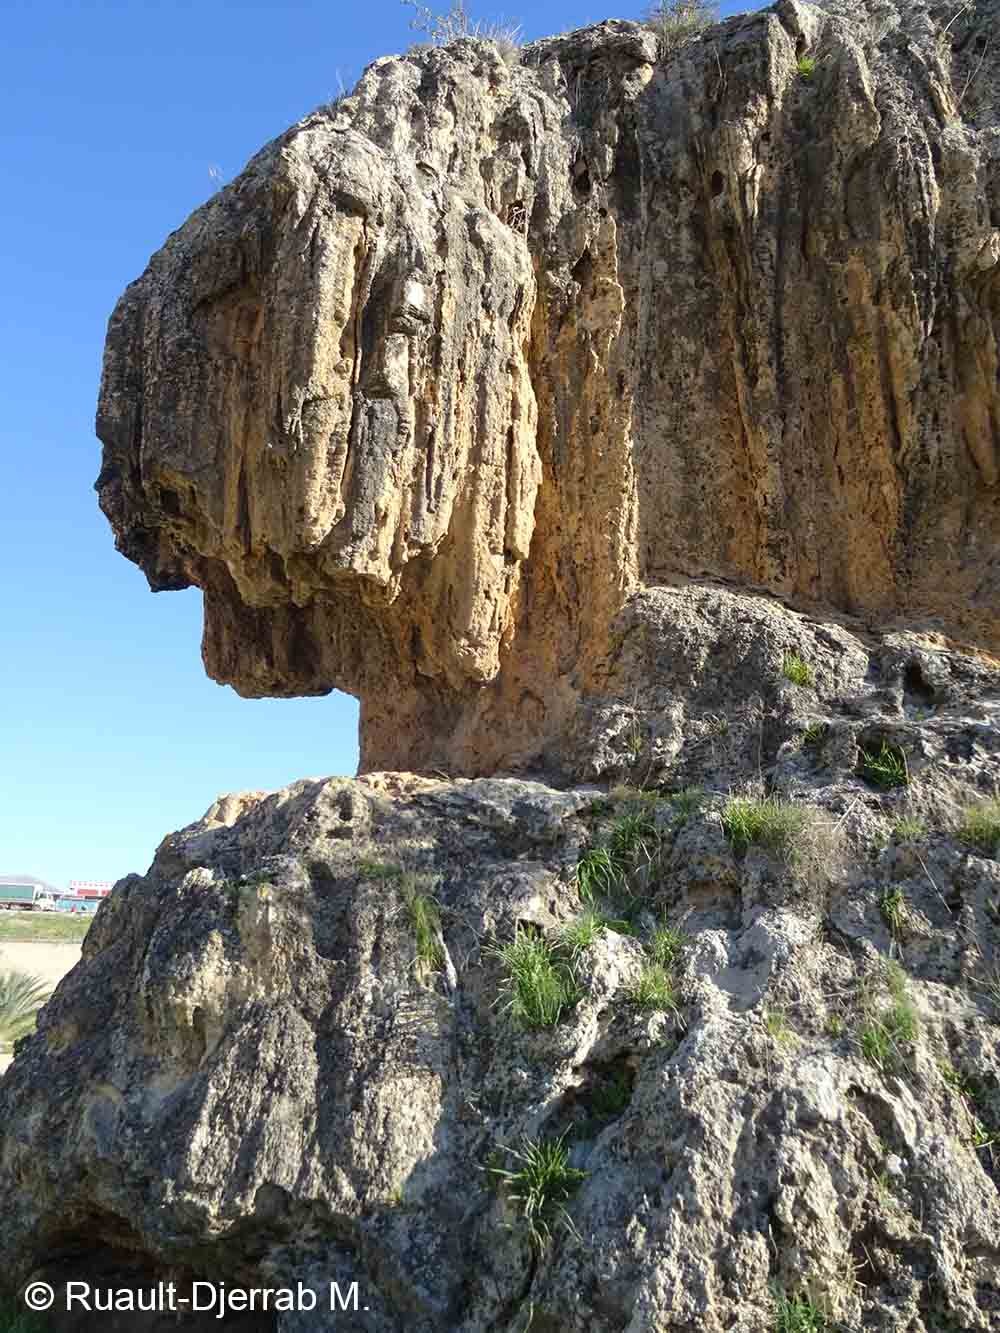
<point>89,888</point>
<point>76,904</point>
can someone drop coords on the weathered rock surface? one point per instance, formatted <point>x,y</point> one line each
<point>459,364</point>
<point>250,1078</point>
<point>562,410</point>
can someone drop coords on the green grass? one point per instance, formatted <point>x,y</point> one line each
<point>632,842</point>
<point>599,875</point>
<point>611,1096</point>
<point>42,928</point>
<point>541,1186</point>
<point>884,767</point>
<point>806,66</point>
<point>770,823</point>
<point>539,983</point>
<point>653,990</point>
<point>891,1028</point>
<point>688,801</point>
<point>425,921</point>
<point>379,870</point>
<point>797,670</point>
<point>777,1027</point>
<point>666,945</point>
<point>908,829</point>
<point>583,932</point>
<point>980,827</point>
<point>815,734</point>
<point>892,905</point>
<point>796,1314</point>
<point>21,997</point>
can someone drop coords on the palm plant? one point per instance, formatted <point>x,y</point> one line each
<point>21,997</point>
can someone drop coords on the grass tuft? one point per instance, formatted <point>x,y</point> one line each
<point>540,1187</point>
<point>611,1096</point>
<point>806,67</point>
<point>777,1027</point>
<point>539,983</point>
<point>891,1028</point>
<point>815,734</point>
<point>980,827</point>
<point>384,871</point>
<point>653,990</point>
<point>797,1314</point>
<point>583,932</point>
<point>666,945</point>
<point>688,801</point>
<point>892,905</point>
<point>908,829</point>
<point>425,919</point>
<point>797,670</point>
<point>632,844</point>
<point>884,767</point>
<point>769,823</point>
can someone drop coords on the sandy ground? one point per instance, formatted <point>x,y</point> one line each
<point>51,962</point>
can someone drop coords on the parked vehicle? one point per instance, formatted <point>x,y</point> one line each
<point>24,898</point>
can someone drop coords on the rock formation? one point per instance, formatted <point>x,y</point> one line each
<point>270,1068</point>
<point>620,416</point>
<point>459,363</point>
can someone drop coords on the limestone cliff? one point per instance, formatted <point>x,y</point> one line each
<point>461,362</point>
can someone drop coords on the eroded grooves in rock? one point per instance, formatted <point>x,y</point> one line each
<point>455,365</point>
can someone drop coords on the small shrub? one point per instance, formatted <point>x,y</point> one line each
<point>678,21</point>
<point>539,983</point>
<point>797,1314</point>
<point>980,827</point>
<point>443,27</point>
<point>541,1187</point>
<point>21,997</point>
<point>806,67</point>
<point>425,918</point>
<point>909,829</point>
<point>653,990</point>
<point>892,905</point>
<point>884,767</point>
<point>798,671</point>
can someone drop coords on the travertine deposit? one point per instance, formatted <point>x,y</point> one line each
<point>462,361</point>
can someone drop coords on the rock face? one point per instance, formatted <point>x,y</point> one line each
<point>625,416</point>
<point>288,1055</point>
<point>463,362</point>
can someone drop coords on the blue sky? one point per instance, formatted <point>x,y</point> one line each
<point>114,114</point>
